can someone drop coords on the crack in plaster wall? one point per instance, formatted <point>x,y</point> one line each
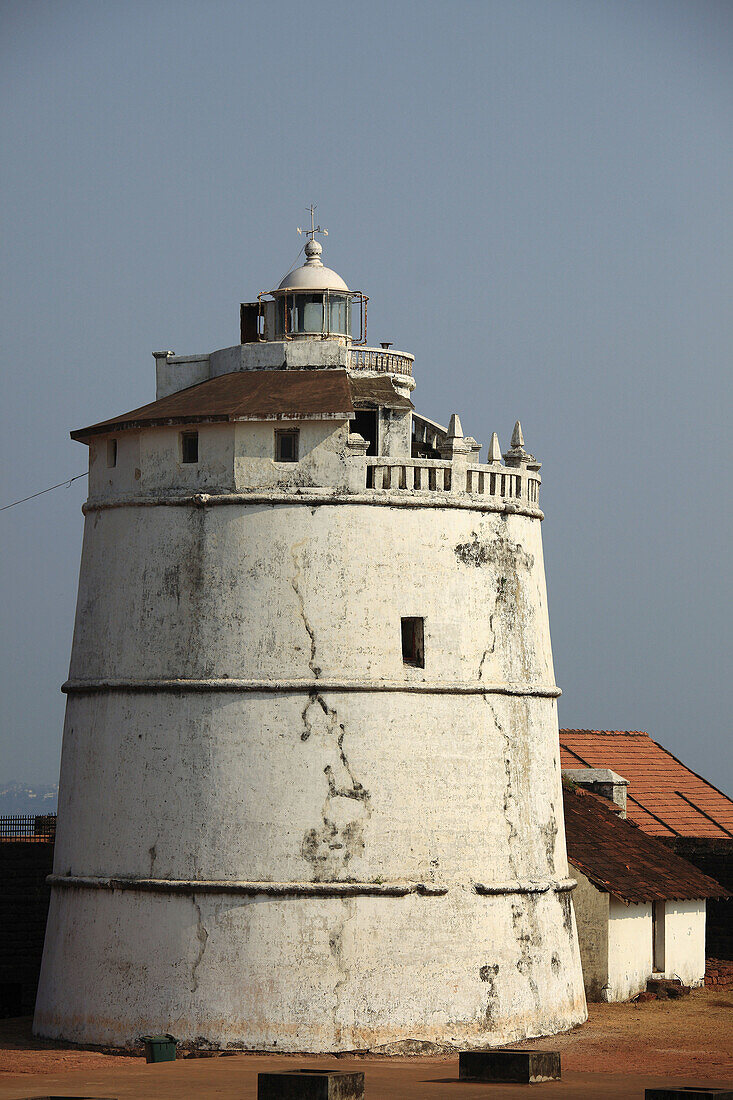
<point>489,649</point>
<point>336,947</point>
<point>202,936</point>
<point>295,583</point>
<point>511,809</point>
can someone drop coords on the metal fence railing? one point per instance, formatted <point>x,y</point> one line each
<point>38,828</point>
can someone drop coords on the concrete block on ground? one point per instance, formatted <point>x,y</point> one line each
<point>509,1066</point>
<point>310,1084</point>
<point>689,1092</point>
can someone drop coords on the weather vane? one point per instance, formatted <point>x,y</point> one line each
<point>314,228</point>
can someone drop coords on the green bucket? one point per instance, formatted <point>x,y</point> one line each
<point>159,1048</point>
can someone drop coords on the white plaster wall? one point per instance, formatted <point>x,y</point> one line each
<point>684,941</point>
<point>395,433</point>
<point>162,468</point>
<point>232,456</point>
<point>311,784</point>
<point>174,373</point>
<point>308,354</point>
<point>125,477</point>
<point>629,949</point>
<point>323,459</point>
<point>257,580</point>
<point>259,787</point>
<point>592,916</point>
<point>275,974</point>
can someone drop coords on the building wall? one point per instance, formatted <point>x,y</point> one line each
<point>232,456</point>
<point>592,915</point>
<point>240,720</point>
<point>322,450</point>
<point>684,941</point>
<point>24,899</point>
<point>714,857</point>
<point>629,949</point>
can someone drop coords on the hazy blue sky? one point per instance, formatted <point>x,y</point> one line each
<point>536,197</point>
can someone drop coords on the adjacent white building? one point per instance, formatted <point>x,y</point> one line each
<point>640,909</point>
<point>310,787</point>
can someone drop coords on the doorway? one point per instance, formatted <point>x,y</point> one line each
<point>658,912</point>
<point>365,423</point>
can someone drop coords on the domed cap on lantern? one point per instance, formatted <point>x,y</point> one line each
<point>313,301</point>
<point>313,275</point>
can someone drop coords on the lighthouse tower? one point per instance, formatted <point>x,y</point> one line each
<point>310,793</point>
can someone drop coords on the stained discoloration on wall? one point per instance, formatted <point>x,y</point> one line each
<point>332,845</point>
<point>591,913</point>
<point>507,556</point>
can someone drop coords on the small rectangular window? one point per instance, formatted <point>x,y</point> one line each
<point>413,642</point>
<point>286,446</point>
<point>189,447</point>
<point>111,453</point>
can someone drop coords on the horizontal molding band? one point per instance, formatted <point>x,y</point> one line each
<point>272,889</point>
<point>310,687</point>
<point>392,498</point>
<point>519,887</point>
<point>300,889</point>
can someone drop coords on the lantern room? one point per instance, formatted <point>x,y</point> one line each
<point>311,302</point>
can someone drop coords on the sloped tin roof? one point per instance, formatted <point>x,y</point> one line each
<point>621,859</point>
<point>664,796</point>
<point>242,395</point>
<point>259,395</point>
<point>373,393</point>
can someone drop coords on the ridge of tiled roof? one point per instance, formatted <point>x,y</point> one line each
<point>622,859</point>
<point>611,733</point>
<point>665,797</point>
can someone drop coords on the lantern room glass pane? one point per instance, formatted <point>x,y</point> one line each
<point>339,314</point>
<point>311,313</point>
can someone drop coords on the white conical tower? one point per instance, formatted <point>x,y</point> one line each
<point>310,792</point>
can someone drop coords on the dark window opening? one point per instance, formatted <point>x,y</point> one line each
<point>413,642</point>
<point>286,446</point>
<point>365,424</point>
<point>189,447</point>
<point>111,453</point>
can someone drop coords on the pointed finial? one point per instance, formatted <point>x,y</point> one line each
<point>455,431</point>
<point>516,455</point>
<point>494,448</point>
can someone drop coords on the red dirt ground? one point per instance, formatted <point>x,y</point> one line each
<point>620,1050</point>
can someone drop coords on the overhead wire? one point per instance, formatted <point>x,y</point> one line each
<point>42,491</point>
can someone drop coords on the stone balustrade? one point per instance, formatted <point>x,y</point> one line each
<point>448,476</point>
<point>379,359</point>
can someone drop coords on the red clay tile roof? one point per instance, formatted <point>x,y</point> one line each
<point>621,859</point>
<point>242,395</point>
<point>664,797</point>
